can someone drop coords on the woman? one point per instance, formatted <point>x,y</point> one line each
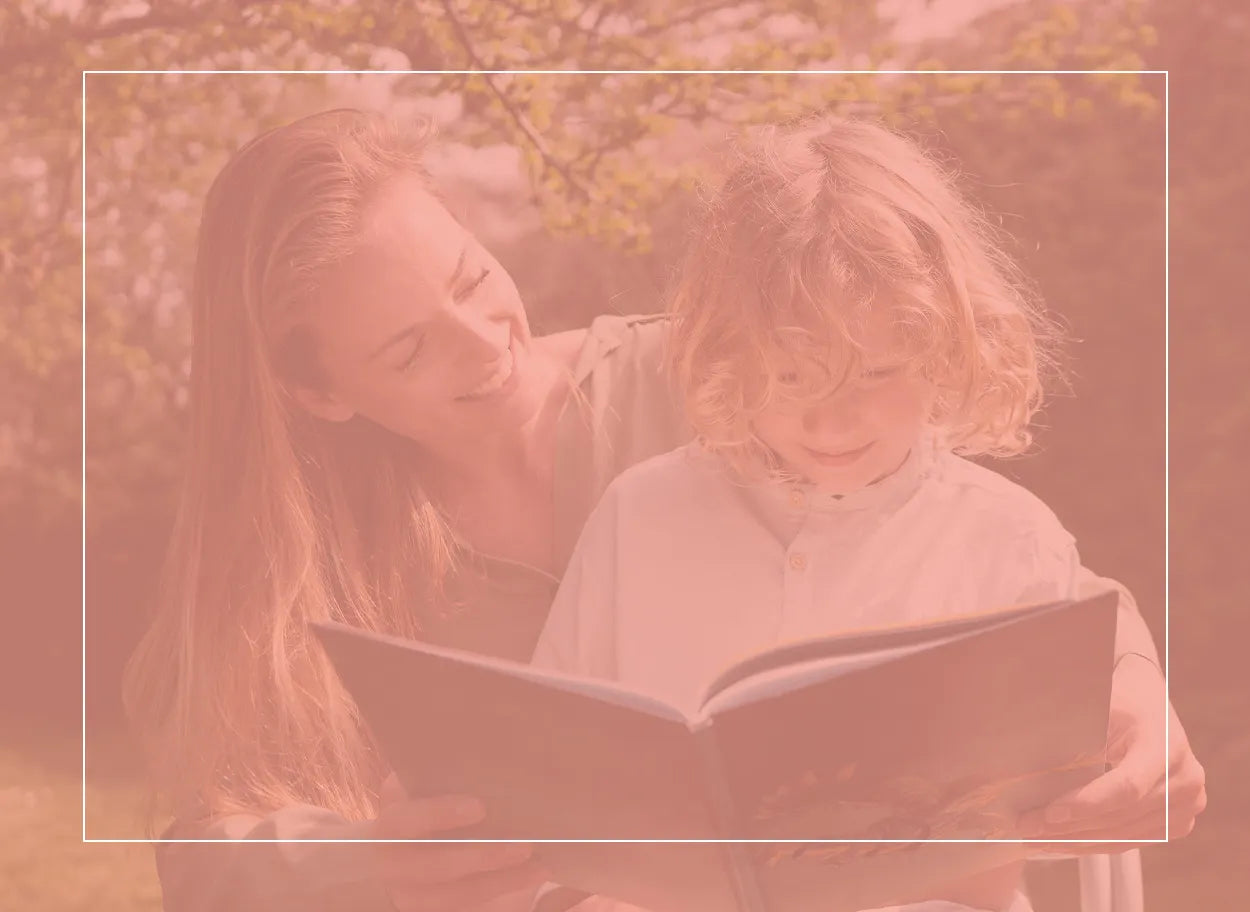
<point>379,439</point>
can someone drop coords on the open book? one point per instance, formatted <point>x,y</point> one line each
<point>941,731</point>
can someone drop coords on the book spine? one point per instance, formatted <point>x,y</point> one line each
<point>736,856</point>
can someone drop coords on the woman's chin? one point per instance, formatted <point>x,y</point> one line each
<point>516,403</point>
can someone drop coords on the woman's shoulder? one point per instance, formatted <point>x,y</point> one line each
<point>621,377</point>
<point>623,342</point>
<point>624,412</point>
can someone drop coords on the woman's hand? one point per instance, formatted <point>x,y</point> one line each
<point>1129,802</point>
<point>449,877</point>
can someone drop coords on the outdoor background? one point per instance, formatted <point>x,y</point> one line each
<point>580,185</point>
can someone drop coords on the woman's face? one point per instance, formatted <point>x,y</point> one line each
<point>421,330</point>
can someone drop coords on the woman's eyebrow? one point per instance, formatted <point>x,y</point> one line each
<point>459,270</point>
<point>415,327</point>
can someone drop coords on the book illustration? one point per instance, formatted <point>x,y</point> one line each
<point>906,808</point>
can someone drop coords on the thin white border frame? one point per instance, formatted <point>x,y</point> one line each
<point>1165,74</point>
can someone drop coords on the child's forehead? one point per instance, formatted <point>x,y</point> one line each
<point>870,332</point>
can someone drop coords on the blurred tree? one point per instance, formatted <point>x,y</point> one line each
<point>1203,44</point>
<point>606,156</point>
<point>1073,163</point>
<point>589,141</point>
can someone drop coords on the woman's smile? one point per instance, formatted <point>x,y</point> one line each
<point>500,381</point>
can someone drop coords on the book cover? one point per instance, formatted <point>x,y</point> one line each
<point>940,731</point>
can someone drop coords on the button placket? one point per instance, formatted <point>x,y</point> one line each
<point>798,584</point>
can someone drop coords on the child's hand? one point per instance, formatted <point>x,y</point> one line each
<point>449,877</point>
<point>1129,802</point>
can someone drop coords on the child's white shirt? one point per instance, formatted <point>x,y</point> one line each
<point>681,570</point>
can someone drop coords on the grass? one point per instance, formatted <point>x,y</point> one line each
<point>44,864</point>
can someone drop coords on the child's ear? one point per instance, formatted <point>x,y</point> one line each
<point>319,404</point>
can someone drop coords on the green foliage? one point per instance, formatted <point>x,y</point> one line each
<point>597,149</point>
<point>611,159</point>
<point>1072,162</point>
<point>44,863</point>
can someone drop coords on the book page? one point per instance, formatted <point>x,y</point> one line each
<point>845,650</point>
<point>598,688</point>
<point>774,682</point>
<point>549,757</point>
<point>949,741</point>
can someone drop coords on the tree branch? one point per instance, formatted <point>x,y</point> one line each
<point>691,15</point>
<point>47,43</point>
<point>65,203</point>
<point>517,8</point>
<point>514,113</point>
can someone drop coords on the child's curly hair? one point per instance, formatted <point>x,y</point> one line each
<point>819,224</point>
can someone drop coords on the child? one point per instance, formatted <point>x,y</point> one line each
<point>845,331</point>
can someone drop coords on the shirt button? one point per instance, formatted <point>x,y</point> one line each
<point>798,561</point>
<point>796,499</point>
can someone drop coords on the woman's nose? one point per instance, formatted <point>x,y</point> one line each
<point>476,336</point>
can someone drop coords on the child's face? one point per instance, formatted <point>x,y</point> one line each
<point>860,432</point>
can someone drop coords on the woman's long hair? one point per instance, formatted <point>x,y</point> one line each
<point>284,519</point>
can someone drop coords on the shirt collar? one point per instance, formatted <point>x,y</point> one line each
<point>891,491</point>
<point>784,498</point>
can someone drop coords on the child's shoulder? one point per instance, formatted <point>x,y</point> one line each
<point>1004,506</point>
<point>677,477</point>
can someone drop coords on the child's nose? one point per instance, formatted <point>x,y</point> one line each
<point>834,415</point>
